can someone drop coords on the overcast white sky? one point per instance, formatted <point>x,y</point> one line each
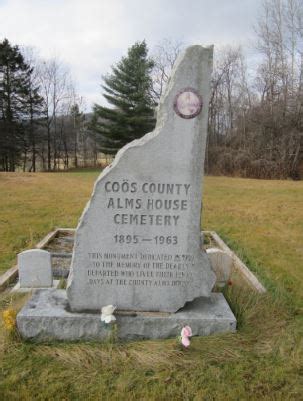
<point>91,35</point>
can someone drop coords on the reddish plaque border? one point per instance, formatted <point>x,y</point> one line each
<point>188,89</point>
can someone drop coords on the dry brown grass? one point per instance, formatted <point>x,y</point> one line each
<point>262,361</point>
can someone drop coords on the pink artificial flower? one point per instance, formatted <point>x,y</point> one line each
<point>186,332</point>
<point>185,342</point>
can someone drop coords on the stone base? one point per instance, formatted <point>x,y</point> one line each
<point>17,287</point>
<point>46,317</point>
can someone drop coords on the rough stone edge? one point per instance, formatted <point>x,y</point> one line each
<point>137,143</point>
<point>239,266</point>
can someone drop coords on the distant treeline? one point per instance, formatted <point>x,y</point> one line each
<point>255,111</point>
<point>256,114</point>
<point>42,125</point>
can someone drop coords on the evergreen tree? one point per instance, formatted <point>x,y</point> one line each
<point>12,90</point>
<point>128,90</point>
<point>18,100</point>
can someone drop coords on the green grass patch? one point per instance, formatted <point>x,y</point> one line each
<point>260,220</point>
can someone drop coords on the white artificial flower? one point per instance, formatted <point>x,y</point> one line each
<point>107,314</point>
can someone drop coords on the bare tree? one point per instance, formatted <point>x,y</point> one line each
<point>229,101</point>
<point>279,28</point>
<point>164,56</point>
<point>54,81</point>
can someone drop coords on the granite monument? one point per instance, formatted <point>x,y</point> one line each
<point>137,244</point>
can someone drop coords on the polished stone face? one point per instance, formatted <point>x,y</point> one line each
<point>137,244</point>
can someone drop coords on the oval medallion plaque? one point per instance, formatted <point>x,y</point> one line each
<point>188,103</point>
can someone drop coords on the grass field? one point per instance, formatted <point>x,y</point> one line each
<point>261,220</point>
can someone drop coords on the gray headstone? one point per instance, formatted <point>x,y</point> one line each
<point>137,244</point>
<point>222,264</point>
<point>35,269</point>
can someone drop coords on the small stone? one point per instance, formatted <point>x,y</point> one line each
<point>222,264</point>
<point>35,270</point>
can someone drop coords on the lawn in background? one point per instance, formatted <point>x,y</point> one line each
<point>261,220</point>
<point>34,204</point>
